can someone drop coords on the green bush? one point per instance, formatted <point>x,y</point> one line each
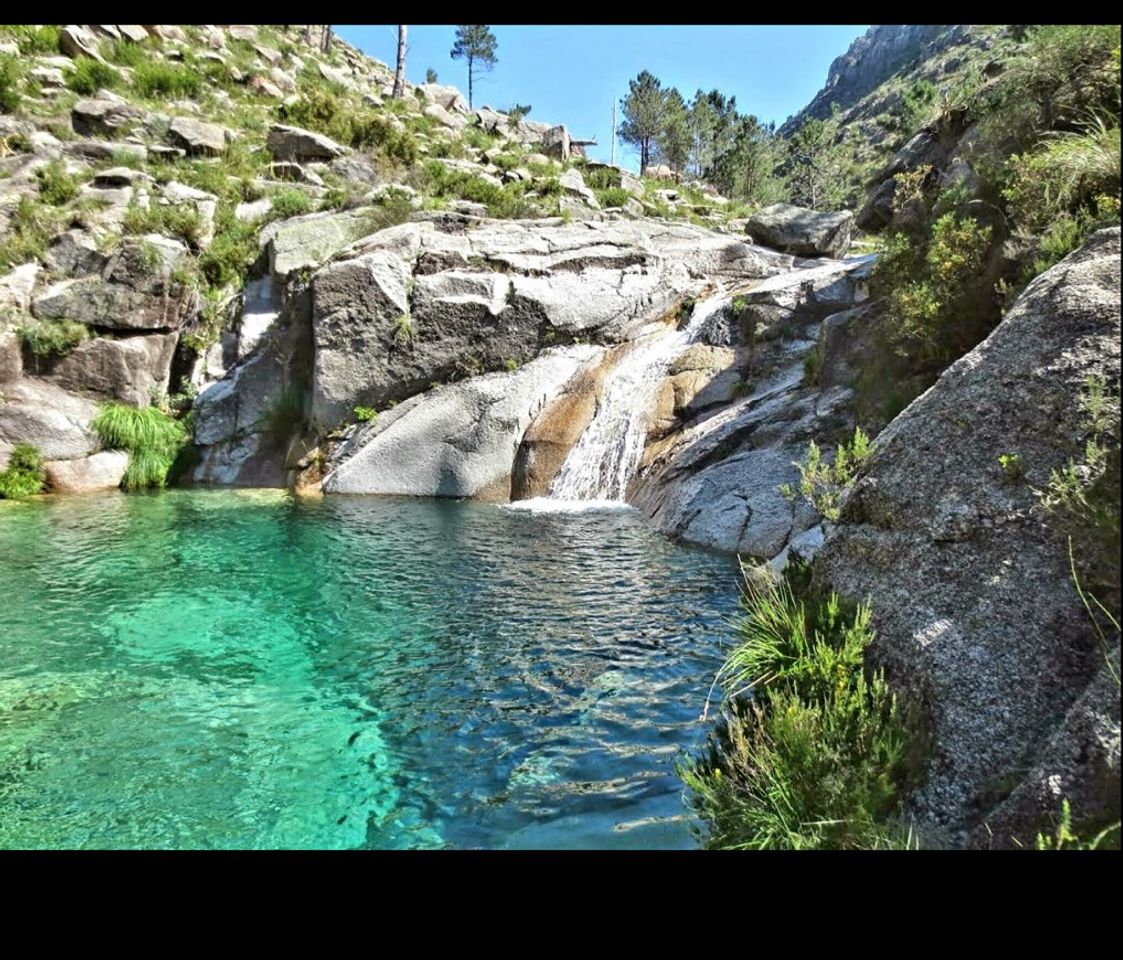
<point>174,220</point>
<point>602,178</point>
<point>822,485</point>
<point>613,197</point>
<point>231,253</point>
<point>1084,495</point>
<point>126,53</point>
<point>931,288</point>
<point>365,414</point>
<point>24,475</point>
<point>31,227</point>
<point>1067,174</point>
<point>36,40</point>
<point>289,203</point>
<point>56,186</point>
<point>152,438</point>
<point>10,76</point>
<point>159,79</point>
<point>1065,73</point>
<point>52,338</point>
<point>327,112</point>
<point>813,750</point>
<point>89,76</point>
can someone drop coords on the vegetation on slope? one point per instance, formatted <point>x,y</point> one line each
<point>813,749</point>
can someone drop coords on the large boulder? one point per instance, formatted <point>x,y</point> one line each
<point>102,471</point>
<point>130,370</point>
<point>804,232</point>
<point>76,41</point>
<point>458,440</point>
<point>101,117</point>
<point>197,137</point>
<point>48,417</point>
<point>446,97</point>
<point>293,143</point>
<point>968,577</point>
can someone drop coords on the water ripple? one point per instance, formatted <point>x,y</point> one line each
<point>249,669</point>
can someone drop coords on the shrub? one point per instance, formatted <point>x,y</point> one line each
<point>52,338</point>
<point>159,79</point>
<point>403,329</point>
<point>175,220</point>
<point>10,75</point>
<point>822,485</point>
<point>152,438</point>
<point>232,251</point>
<point>289,203</point>
<point>1064,72</point>
<point>613,197</point>
<point>813,750</point>
<point>56,186</point>
<point>365,414</point>
<point>930,286</point>
<point>126,53</point>
<point>32,225</point>
<point>1084,495</point>
<point>24,475</point>
<point>36,39</point>
<point>1067,173</point>
<point>89,76</point>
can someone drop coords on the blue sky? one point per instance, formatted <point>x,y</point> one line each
<point>572,74</point>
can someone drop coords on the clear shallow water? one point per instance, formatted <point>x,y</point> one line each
<point>247,669</point>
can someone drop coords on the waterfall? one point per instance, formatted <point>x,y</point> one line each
<point>606,457</point>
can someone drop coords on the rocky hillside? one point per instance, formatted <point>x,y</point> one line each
<point>227,257</point>
<point>880,54</point>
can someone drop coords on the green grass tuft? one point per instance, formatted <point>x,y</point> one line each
<point>152,438</point>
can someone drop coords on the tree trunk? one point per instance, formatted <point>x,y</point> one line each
<point>327,39</point>
<point>470,81</point>
<point>308,34</point>
<point>400,73</point>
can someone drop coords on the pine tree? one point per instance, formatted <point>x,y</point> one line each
<point>645,114</point>
<point>476,44</point>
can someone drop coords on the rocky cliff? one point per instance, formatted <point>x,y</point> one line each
<point>870,60</point>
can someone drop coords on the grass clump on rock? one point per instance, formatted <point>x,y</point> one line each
<point>51,338</point>
<point>24,475</point>
<point>152,438</point>
<point>813,749</point>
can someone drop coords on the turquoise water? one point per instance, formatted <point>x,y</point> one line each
<point>248,669</point>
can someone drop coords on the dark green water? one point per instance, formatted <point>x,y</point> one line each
<point>245,669</point>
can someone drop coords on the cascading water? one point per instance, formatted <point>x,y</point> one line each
<point>606,457</point>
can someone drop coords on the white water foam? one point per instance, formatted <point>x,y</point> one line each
<point>607,455</point>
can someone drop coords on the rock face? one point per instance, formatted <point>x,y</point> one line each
<point>460,440</point>
<point>129,370</point>
<point>801,231</point>
<point>99,118</point>
<point>48,417</point>
<point>414,305</point>
<point>301,243</point>
<point>135,291</point>
<point>871,59</point>
<point>969,581</point>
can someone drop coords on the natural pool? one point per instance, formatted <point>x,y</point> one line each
<point>250,669</point>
